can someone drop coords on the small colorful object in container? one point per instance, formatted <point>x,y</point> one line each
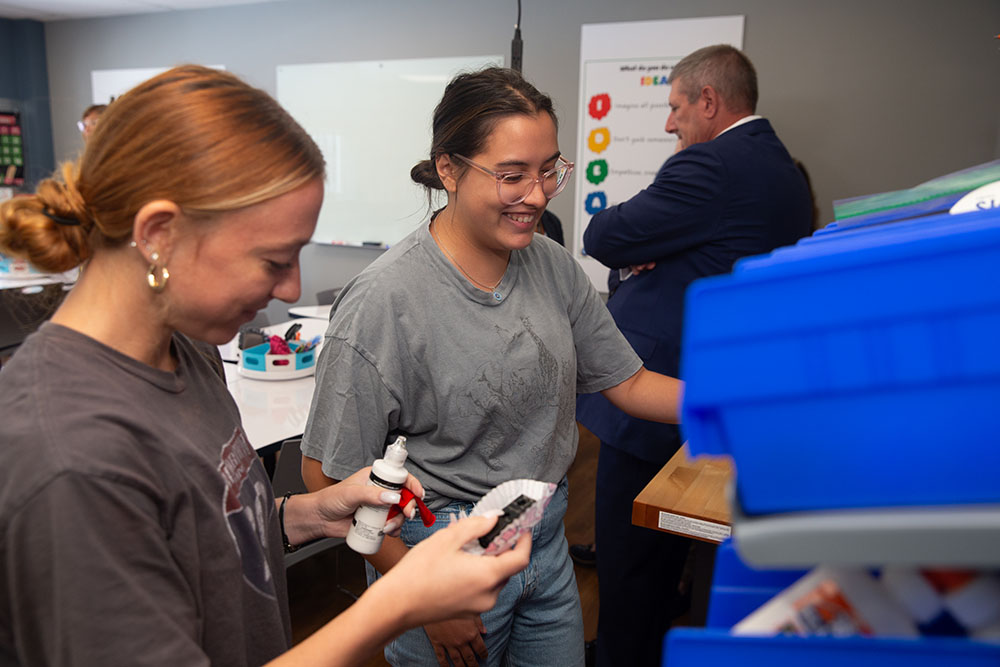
<point>278,359</point>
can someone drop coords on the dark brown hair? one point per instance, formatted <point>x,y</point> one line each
<point>472,105</point>
<point>93,108</point>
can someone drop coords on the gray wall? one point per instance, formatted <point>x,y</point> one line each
<point>26,84</point>
<point>871,95</point>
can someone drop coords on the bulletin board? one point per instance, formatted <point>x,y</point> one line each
<point>372,120</point>
<point>623,110</point>
<point>11,149</point>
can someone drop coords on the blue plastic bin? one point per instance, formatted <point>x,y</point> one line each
<point>686,647</point>
<point>738,589</point>
<point>861,371</point>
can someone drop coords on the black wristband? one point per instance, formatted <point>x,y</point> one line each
<point>289,547</point>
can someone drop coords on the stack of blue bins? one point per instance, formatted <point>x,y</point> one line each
<point>859,368</point>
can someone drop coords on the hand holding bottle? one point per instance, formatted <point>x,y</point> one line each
<point>330,511</point>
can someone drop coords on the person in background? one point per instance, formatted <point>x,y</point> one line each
<point>472,337</point>
<point>137,523</point>
<point>816,224</point>
<point>550,225</point>
<point>732,191</point>
<point>88,121</point>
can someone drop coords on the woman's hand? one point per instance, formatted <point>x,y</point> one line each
<point>438,580</point>
<point>460,639</point>
<point>434,581</point>
<point>338,503</point>
<point>328,512</point>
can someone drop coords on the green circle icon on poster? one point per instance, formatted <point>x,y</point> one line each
<point>597,171</point>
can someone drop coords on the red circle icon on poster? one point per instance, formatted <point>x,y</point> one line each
<point>599,106</point>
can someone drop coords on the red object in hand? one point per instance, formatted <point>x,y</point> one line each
<point>405,496</point>
<point>279,346</point>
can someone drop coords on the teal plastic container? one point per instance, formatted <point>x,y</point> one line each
<point>258,358</point>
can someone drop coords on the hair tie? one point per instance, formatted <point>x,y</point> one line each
<point>60,220</point>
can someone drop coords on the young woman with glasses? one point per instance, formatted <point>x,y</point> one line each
<point>137,525</point>
<point>88,121</point>
<point>472,337</point>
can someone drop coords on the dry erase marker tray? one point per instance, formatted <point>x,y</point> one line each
<point>258,363</point>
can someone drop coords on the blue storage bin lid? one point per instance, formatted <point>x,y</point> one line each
<point>869,236</point>
<point>894,276</point>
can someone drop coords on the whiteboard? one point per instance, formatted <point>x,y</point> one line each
<point>372,120</point>
<point>623,110</point>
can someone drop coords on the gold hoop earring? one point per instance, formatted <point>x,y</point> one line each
<point>157,277</point>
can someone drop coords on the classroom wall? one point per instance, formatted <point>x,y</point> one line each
<point>871,95</point>
<point>24,79</point>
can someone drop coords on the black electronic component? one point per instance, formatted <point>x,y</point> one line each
<point>512,511</point>
<point>292,330</point>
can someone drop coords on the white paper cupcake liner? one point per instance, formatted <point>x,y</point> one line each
<point>499,498</point>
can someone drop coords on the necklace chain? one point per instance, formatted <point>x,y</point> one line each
<point>460,268</point>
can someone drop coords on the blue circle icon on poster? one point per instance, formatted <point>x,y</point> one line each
<point>596,201</point>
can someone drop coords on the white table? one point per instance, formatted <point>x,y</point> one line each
<point>311,312</point>
<point>8,281</point>
<point>273,410</point>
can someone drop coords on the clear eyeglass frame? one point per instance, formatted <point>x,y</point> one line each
<point>84,124</point>
<point>513,187</point>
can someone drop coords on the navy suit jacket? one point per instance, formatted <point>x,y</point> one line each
<point>739,194</point>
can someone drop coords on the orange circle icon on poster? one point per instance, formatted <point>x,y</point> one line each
<point>599,106</point>
<point>599,139</point>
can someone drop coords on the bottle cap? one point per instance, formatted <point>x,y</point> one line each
<point>395,454</point>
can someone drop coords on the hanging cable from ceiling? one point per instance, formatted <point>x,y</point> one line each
<point>516,44</point>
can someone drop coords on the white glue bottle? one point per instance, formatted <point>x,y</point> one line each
<point>365,535</point>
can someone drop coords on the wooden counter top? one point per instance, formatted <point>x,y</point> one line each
<point>687,497</point>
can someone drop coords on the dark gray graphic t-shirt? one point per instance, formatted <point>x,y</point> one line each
<point>137,524</point>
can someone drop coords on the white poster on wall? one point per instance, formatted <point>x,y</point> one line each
<point>107,84</point>
<point>623,110</point>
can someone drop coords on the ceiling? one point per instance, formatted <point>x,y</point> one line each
<point>57,10</point>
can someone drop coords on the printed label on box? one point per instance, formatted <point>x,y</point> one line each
<point>708,530</point>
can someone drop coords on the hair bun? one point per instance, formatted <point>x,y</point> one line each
<point>50,228</point>
<point>425,173</point>
<point>62,201</point>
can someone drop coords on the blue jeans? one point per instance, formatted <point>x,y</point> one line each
<point>536,620</point>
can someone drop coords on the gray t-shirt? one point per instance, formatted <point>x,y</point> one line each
<point>137,525</point>
<point>483,385</point>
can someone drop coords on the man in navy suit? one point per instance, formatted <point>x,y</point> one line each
<point>732,191</point>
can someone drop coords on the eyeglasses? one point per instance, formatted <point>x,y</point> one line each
<point>513,187</point>
<point>82,125</point>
